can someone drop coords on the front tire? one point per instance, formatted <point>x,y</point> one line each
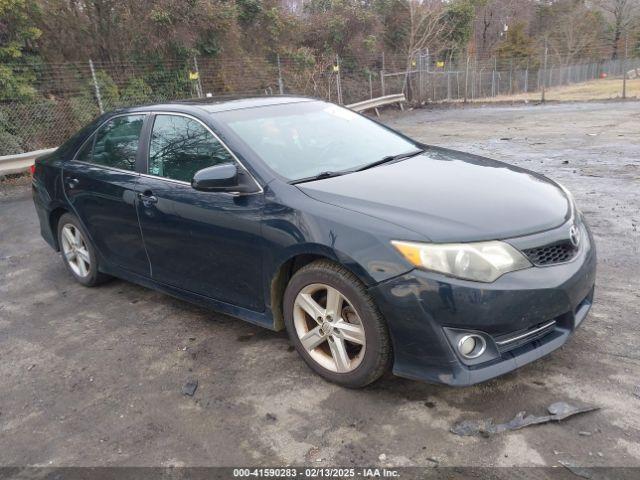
<point>78,253</point>
<point>335,325</point>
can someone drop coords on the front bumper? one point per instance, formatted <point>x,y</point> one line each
<point>419,304</point>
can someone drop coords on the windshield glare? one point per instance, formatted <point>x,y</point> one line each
<point>305,139</point>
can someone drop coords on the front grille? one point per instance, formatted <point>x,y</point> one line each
<point>551,254</point>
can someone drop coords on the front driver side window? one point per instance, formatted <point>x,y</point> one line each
<point>180,146</point>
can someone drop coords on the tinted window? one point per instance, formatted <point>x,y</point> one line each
<point>77,140</point>
<point>180,146</point>
<point>84,155</point>
<point>116,143</point>
<point>304,139</point>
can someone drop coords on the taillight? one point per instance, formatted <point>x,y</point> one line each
<point>32,169</point>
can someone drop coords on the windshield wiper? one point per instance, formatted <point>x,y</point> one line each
<point>320,176</point>
<point>390,158</point>
<point>330,174</point>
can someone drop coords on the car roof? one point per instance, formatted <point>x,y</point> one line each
<point>248,102</point>
<point>220,104</point>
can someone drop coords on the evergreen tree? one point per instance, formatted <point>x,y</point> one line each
<point>18,35</point>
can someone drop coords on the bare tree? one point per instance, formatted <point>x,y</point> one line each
<point>491,18</point>
<point>622,15</point>
<point>574,32</point>
<point>426,26</point>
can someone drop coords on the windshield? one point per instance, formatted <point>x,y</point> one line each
<point>305,139</point>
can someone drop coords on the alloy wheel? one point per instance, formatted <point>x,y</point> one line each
<point>75,251</point>
<point>329,328</point>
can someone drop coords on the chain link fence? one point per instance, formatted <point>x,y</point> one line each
<point>471,79</point>
<point>68,96</point>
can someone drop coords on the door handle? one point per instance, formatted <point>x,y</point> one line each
<point>147,198</point>
<point>72,182</point>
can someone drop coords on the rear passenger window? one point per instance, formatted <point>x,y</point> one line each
<point>180,146</point>
<point>115,144</point>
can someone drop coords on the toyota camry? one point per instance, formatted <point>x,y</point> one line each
<point>374,251</point>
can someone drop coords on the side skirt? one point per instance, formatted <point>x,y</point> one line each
<point>262,319</point>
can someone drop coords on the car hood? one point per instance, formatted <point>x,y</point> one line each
<point>450,196</point>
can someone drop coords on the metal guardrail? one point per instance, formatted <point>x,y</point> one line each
<point>19,163</point>
<point>375,103</point>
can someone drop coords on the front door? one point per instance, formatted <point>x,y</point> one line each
<point>204,242</point>
<point>100,183</point>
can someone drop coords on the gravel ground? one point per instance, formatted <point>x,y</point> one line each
<point>94,376</point>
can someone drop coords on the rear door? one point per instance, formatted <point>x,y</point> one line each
<point>100,183</point>
<point>204,242</point>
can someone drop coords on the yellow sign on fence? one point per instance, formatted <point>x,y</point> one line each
<point>440,64</point>
<point>193,75</point>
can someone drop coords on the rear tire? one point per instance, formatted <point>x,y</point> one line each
<point>78,253</point>
<point>346,340</point>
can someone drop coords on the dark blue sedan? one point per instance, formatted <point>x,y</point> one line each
<point>371,249</point>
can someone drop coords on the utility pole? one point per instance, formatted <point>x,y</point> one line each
<point>96,86</point>
<point>280,82</point>
<point>544,76</point>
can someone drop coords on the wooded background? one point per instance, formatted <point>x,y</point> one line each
<point>54,53</point>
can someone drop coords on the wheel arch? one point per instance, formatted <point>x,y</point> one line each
<point>294,262</point>
<point>54,218</point>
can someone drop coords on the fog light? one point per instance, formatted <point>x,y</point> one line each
<point>471,346</point>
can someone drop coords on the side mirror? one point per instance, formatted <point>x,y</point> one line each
<point>226,177</point>
<point>219,178</point>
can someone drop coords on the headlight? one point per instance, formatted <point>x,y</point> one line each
<point>481,261</point>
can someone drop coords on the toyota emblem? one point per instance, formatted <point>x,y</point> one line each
<point>574,236</point>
